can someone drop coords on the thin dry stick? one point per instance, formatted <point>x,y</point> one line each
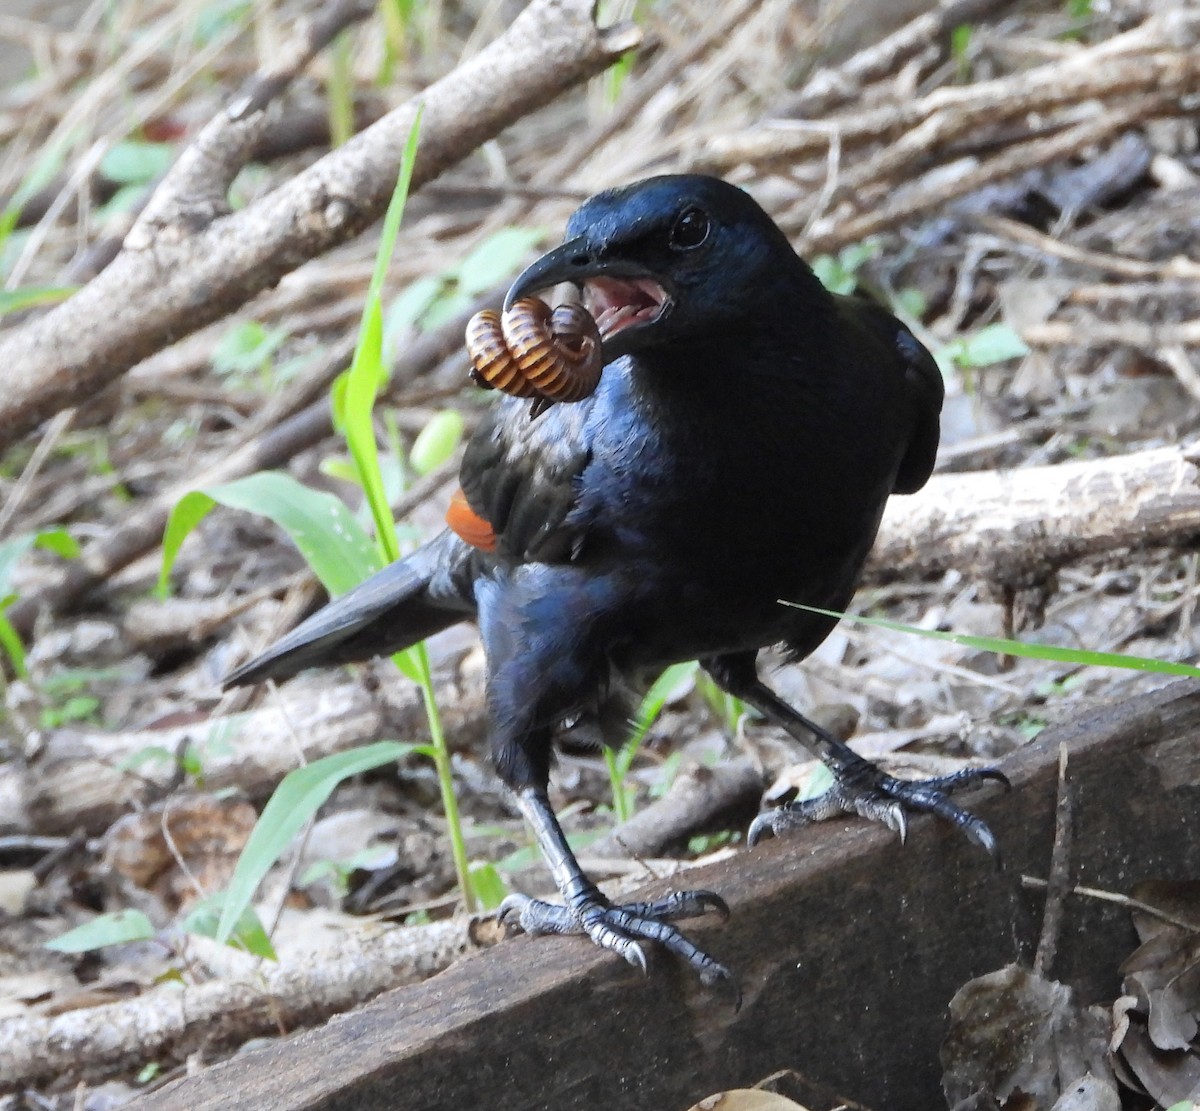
<point>1100,333</point>
<point>1147,59</point>
<point>1013,162</point>
<point>1183,368</point>
<point>45,445</point>
<point>187,264</point>
<point>1176,268</point>
<point>830,88</point>
<point>1036,884</point>
<point>1059,881</point>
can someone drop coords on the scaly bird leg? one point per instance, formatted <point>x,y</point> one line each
<point>587,911</point>
<point>859,786</point>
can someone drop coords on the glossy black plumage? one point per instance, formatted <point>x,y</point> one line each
<point>747,430</point>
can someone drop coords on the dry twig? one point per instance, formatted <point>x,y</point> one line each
<point>186,263</point>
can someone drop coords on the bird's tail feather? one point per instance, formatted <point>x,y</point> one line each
<point>395,608</point>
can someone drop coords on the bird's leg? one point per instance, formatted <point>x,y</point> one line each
<point>859,786</point>
<point>586,911</point>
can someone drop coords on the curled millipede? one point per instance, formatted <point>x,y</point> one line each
<point>533,351</point>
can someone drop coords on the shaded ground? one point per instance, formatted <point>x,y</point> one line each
<point>120,786</point>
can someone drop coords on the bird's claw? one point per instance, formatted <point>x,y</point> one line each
<point>883,798</point>
<point>620,928</point>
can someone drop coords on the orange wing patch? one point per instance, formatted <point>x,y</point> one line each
<point>464,521</point>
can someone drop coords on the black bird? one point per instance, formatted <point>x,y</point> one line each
<point>746,433</point>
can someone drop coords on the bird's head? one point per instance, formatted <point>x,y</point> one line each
<point>673,257</point>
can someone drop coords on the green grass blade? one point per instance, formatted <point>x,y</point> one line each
<point>395,212</point>
<point>248,934</point>
<point>489,886</point>
<point>435,443</point>
<point>13,300</point>
<point>362,386</point>
<point>10,642</point>
<point>12,551</point>
<point>1003,647</point>
<point>319,524</point>
<point>300,794</point>
<point>619,763</point>
<point>367,371</point>
<point>187,513</point>
<point>105,929</point>
<point>340,88</point>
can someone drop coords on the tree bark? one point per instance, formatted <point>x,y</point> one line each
<point>191,264</point>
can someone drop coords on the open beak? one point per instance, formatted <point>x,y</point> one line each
<point>623,296</point>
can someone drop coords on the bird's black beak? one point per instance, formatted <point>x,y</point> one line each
<point>573,262</point>
<point>624,296</point>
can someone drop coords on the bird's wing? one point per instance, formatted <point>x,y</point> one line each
<point>923,386</point>
<point>521,479</point>
<point>926,389</point>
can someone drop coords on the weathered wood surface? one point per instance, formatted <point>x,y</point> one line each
<point>848,945</point>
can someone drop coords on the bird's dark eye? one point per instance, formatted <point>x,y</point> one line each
<point>690,229</point>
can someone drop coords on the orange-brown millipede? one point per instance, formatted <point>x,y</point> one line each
<point>533,351</point>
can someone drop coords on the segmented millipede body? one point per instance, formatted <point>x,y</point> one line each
<point>533,351</point>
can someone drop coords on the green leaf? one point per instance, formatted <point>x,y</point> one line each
<point>105,929</point>
<point>246,348</point>
<point>367,372</point>
<point>362,384</point>
<point>436,441</point>
<point>987,347</point>
<point>133,162</point>
<point>656,698</point>
<point>498,257</point>
<point>10,641</point>
<point>12,300</point>
<point>406,310</point>
<point>146,754</point>
<point>11,553</point>
<point>1003,647</point>
<point>395,212</point>
<point>300,794</point>
<point>189,511</point>
<point>659,694</point>
<point>319,524</point>
<point>58,541</point>
<point>48,163</point>
<point>960,40</point>
<point>488,885</point>
<point>249,933</point>
<point>452,301</point>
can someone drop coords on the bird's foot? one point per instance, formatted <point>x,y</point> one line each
<point>621,927</point>
<point>864,789</point>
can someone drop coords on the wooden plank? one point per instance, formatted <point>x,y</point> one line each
<point>848,945</point>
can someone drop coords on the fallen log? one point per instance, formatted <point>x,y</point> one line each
<point>848,944</point>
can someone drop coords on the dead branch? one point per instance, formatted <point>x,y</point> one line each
<point>171,1021</point>
<point>1153,57</point>
<point>696,797</point>
<point>830,233</point>
<point>1101,333</point>
<point>834,87</point>
<point>174,277</point>
<point>286,425</point>
<point>75,781</point>
<point>1015,528</point>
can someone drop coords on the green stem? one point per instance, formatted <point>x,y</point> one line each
<point>445,774</point>
<point>341,92</point>
<point>616,776</point>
